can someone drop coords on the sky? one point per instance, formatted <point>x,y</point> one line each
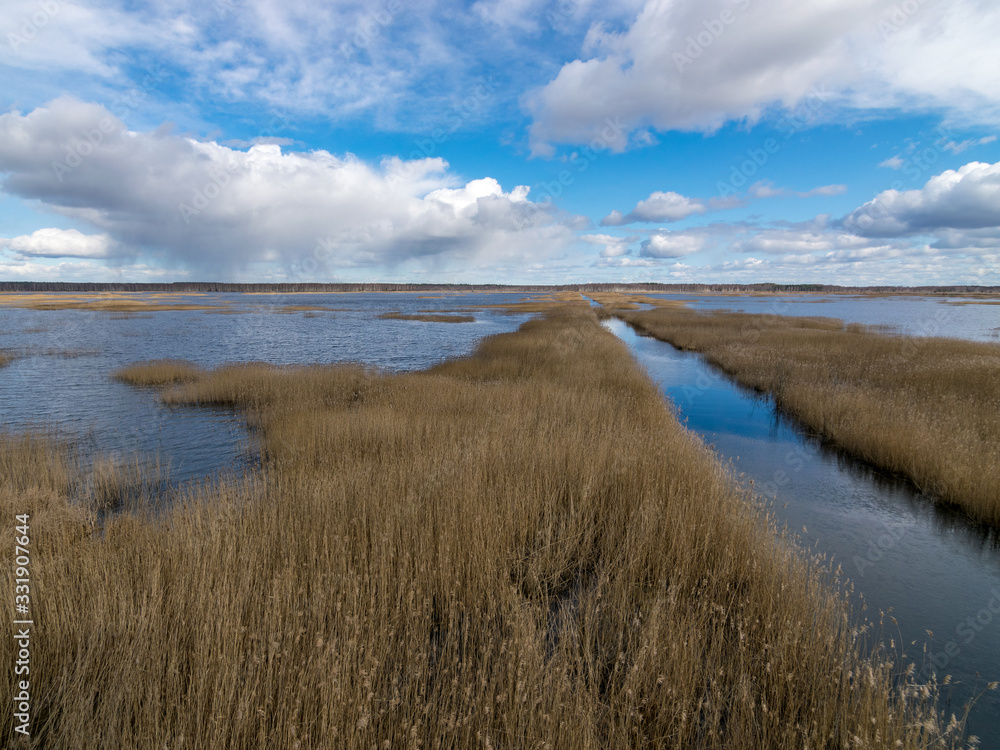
<point>848,142</point>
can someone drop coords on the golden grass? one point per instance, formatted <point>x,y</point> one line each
<point>124,483</point>
<point>5,359</point>
<point>158,372</point>
<point>522,548</point>
<point>925,408</point>
<point>429,317</point>
<point>308,308</point>
<point>618,301</point>
<point>116,303</point>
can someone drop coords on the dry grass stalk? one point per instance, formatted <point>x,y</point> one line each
<point>925,408</point>
<point>428,317</point>
<point>521,548</point>
<point>158,372</point>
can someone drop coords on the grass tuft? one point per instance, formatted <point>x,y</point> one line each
<point>428,318</point>
<point>158,373</point>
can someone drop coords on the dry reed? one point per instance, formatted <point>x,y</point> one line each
<point>158,372</point>
<point>428,318</point>
<point>521,548</point>
<point>925,408</point>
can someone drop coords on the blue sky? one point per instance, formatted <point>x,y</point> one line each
<point>519,141</point>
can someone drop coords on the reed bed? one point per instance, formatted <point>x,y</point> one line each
<point>925,408</point>
<point>521,548</point>
<point>100,302</point>
<point>308,308</point>
<point>158,372</point>
<point>428,317</point>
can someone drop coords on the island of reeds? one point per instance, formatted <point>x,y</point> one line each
<point>522,548</point>
<point>925,408</point>
<point>428,317</point>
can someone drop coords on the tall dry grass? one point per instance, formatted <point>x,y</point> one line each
<point>522,548</point>
<point>428,317</point>
<point>158,372</point>
<point>925,408</point>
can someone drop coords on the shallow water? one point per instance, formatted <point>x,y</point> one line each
<point>916,316</point>
<point>927,567</point>
<point>61,377</point>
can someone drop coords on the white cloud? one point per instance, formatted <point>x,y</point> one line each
<point>766,189</point>
<point>960,146</point>
<point>613,247</point>
<point>696,64</point>
<point>658,207</point>
<point>666,206</point>
<point>797,240</point>
<point>203,205</point>
<point>671,245</point>
<point>967,198</point>
<point>893,162</point>
<point>60,243</point>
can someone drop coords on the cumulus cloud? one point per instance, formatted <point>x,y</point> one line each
<point>671,245</point>
<point>613,247</point>
<point>59,243</point>
<point>967,198</point>
<point>204,205</point>
<point>694,65</point>
<point>669,206</point>
<point>658,207</point>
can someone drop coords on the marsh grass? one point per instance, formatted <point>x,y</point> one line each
<point>5,359</point>
<point>308,308</point>
<point>158,372</point>
<point>520,548</point>
<point>925,408</point>
<point>428,317</point>
<point>99,302</point>
<point>124,483</point>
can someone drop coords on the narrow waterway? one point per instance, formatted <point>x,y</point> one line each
<point>937,574</point>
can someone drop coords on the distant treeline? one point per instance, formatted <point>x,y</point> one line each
<point>211,286</point>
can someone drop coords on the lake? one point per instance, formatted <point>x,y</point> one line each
<point>61,377</point>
